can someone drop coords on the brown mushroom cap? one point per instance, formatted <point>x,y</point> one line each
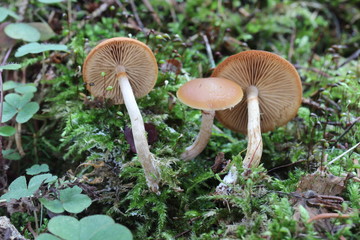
<point>114,55</point>
<point>277,81</point>
<point>210,93</point>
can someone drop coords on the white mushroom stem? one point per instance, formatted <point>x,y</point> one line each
<point>202,138</point>
<point>146,158</point>
<point>255,144</point>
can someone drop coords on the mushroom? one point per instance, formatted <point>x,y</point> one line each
<point>273,93</point>
<point>121,69</point>
<point>208,95</point>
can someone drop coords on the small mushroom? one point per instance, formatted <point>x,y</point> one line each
<point>208,95</point>
<point>273,95</point>
<point>121,69</point>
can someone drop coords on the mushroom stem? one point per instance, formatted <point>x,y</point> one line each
<point>202,138</point>
<point>146,158</point>
<point>255,145</point>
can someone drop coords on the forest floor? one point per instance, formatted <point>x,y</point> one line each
<point>68,167</point>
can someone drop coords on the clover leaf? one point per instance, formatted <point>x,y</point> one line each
<point>7,131</point>
<point>22,31</point>
<point>11,154</point>
<point>95,227</point>
<point>11,66</point>
<point>39,48</point>
<point>19,87</point>
<point>36,169</point>
<point>70,200</point>
<point>20,105</point>
<point>19,188</point>
<point>4,12</point>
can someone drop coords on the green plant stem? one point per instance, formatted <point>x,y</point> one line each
<point>36,221</point>
<point>3,167</point>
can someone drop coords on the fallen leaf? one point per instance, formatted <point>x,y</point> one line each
<point>152,135</point>
<point>171,65</point>
<point>5,41</point>
<point>322,183</point>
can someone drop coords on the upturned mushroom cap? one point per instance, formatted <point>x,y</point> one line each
<point>116,55</point>
<point>277,81</point>
<point>210,93</point>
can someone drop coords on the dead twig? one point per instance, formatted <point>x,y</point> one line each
<point>311,103</point>
<point>286,165</point>
<point>292,41</point>
<point>326,216</point>
<point>312,69</point>
<point>136,15</point>
<point>348,129</point>
<point>152,11</point>
<point>353,56</point>
<point>103,7</point>
<point>172,10</point>
<point>343,154</point>
<point>209,51</point>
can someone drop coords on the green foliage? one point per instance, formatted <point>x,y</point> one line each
<point>283,225</point>
<point>70,200</point>
<point>19,105</point>
<point>94,227</point>
<point>22,31</point>
<point>19,188</point>
<point>36,169</point>
<point>13,66</point>
<point>4,12</point>
<point>76,133</point>
<point>7,131</point>
<point>51,1</point>
<point>11,154</point>
<point>45,31</point>
<point>39,48</point>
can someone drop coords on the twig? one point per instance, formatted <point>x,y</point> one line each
<point>94,14</point>
<point>292,41</point>
<point>343,154</point>
<point>153,13</point>
<point>22,8</point>
<point>29,227</point>
<point>173,6</point>
<point>182,233</point>
<point>18,139</point>
<point>332,102</point>
<point>69,18</point>
<point>136,15</point>
<point>286,165</point>
<point>347,129</point>
<point>327,215</point>
<point>209,51</point>
<point>145,30</point>
<point>352,57</point>
<point>312,69</point>
<point>312,103</point>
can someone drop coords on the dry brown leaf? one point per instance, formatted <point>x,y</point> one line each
<point>171,65</point>
<point>322,183</point>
